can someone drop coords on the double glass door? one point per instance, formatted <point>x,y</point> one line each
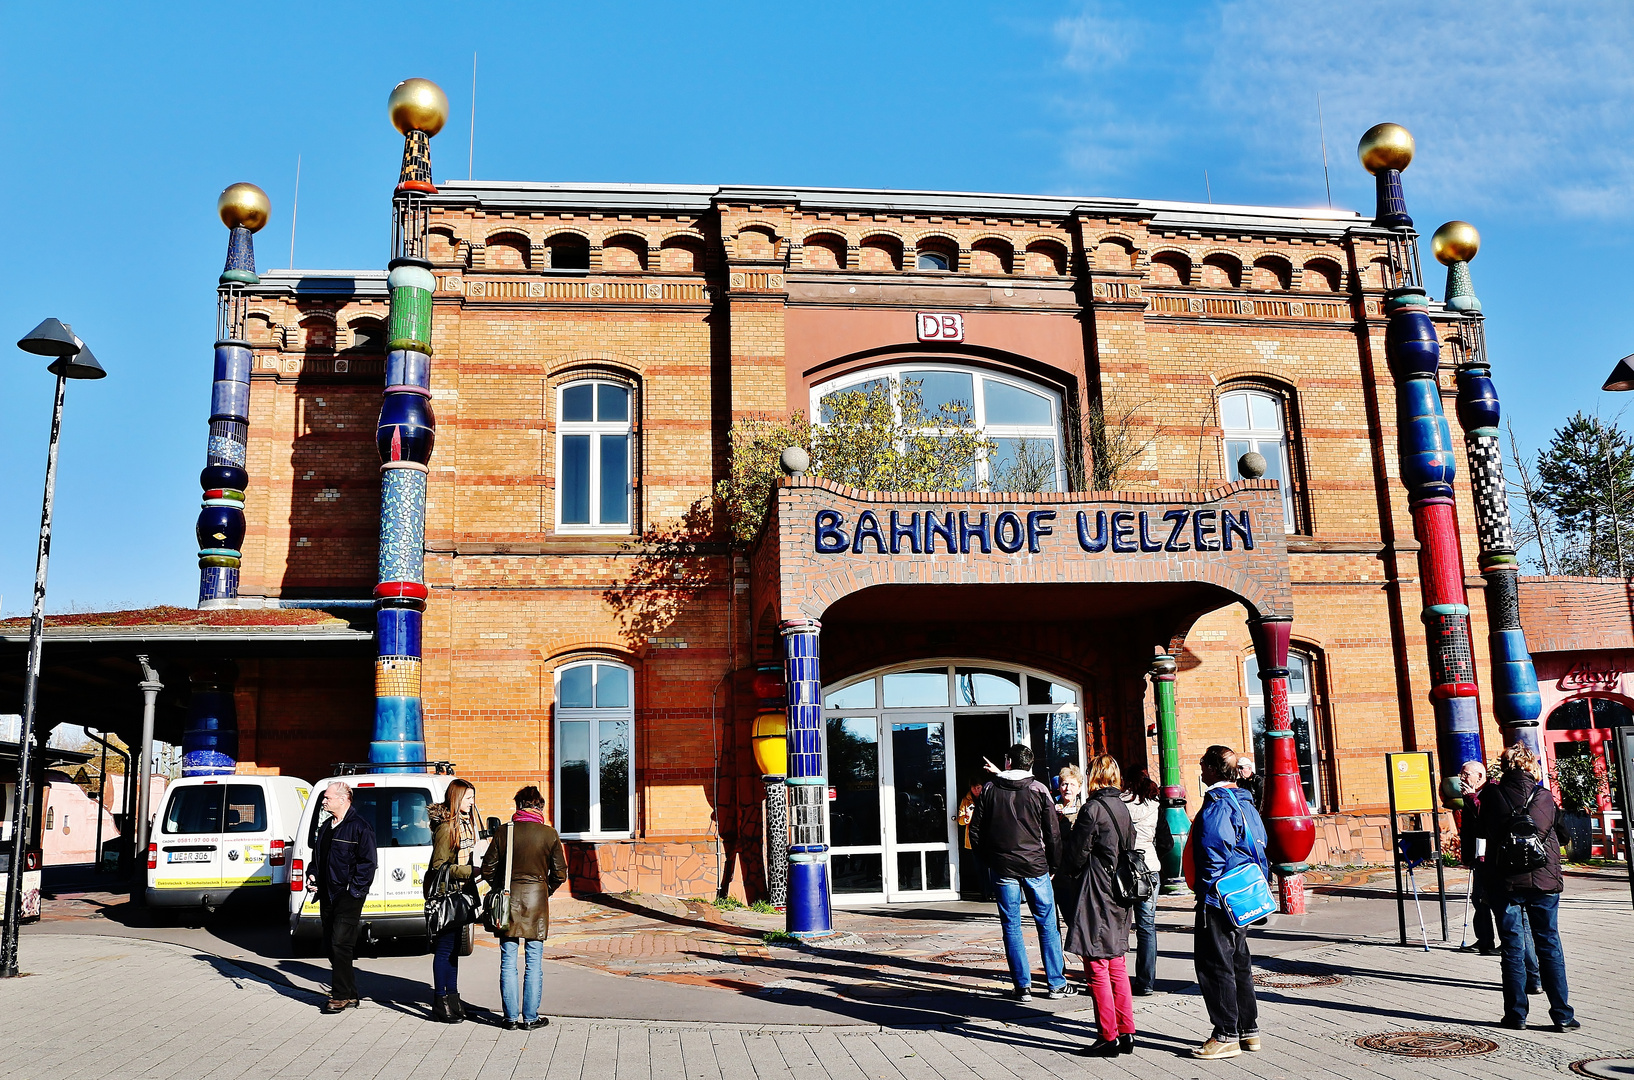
<point>899,767</point>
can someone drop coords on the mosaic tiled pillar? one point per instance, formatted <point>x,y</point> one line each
<point>1288,823</point>
<point>210,739</point>
<point>777,840</point>
<point>1174,825</point>
<point>405,438</point>
<point>1413,351</point>
<point>1515,696</point>
<point>808,911</point>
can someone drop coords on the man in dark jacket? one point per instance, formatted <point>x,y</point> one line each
<point>1014,829</point>
<point>1526,899</point>
<point>1473,779</point>
<point>1228,833</point>
<point>343,865</point>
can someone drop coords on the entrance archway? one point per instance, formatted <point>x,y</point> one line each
<point>904,743</point>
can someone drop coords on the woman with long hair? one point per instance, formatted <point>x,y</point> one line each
<point>453,846</point>
<point>536,867</point>
<point>1098,930</point>
<point>1141,795</point>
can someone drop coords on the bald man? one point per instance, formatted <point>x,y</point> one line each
<point>343,865</point>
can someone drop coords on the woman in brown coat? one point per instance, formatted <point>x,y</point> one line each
<point>1097,925</point>
<point>453,846</point>
<point>526,857</point>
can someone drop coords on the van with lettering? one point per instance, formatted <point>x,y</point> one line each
<point>398,805</point>
<point>221,839</point>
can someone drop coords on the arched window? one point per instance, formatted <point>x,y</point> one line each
<point>595,741</point>
<point>368,335</point>
<point>1302,709</point>
<point>1023,419</point>
<point>1256,420</point>
<point>594,456</point>
<point>930,259</point>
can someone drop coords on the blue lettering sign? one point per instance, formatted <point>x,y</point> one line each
<point>967,532</point>
<point>1123,531</point>
<point>908,532</point>
<point>1008,520</point>
<point>935,527</point>
<point>868,527</point>
<point>831,535</point>
<point>1174,543</point>
<point>1203,530</point>
<point>1096,542</point>
<point>1229,524</point>
<point>1146,542</point>
<point>1036,529</point>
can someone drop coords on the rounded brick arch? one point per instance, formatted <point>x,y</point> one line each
<point>574,648</point>
<point>587,360</point>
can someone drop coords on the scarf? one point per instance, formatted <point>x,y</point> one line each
<point>534,816</point>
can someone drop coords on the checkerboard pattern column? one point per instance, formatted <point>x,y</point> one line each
<point>808,911</point>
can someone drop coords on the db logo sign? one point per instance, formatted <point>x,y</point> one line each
<point>934,327</point>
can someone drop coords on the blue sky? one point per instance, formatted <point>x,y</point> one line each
<point>125,123</point>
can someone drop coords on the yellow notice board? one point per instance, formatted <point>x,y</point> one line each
<point>1411,791</point>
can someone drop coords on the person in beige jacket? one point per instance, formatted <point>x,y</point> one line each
<point>538,867</point>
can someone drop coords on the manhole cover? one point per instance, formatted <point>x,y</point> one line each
<point>1427,1044</point>
<point>1287,980</point>
<point>1611,1068</point>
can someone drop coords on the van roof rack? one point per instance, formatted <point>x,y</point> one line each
<point>352,768</point>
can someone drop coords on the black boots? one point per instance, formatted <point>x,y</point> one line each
<point>447,1008</point>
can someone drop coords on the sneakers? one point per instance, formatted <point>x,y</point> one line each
<point>1023,993</point>
<point>1065,990</point>
<point>1215,1049</point>
<point>1249,1040</point>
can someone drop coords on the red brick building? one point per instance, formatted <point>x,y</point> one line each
<point>589,630</point>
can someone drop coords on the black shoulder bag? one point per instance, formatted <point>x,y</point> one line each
<point>1523,850</point>
<point>1131,878</point>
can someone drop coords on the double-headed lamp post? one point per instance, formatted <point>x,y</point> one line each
<point>70,360</point>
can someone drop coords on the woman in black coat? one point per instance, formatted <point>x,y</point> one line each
<point>1097,925</point>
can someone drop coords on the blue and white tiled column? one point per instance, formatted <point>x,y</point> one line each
<point>809,914</point>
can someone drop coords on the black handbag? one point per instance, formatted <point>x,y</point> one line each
<point>449,904</point>
<point>1132,881</point>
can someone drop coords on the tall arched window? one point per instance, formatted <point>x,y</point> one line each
<point>594,456</point>
<point>1257,420</point>
<point>595,742</point>
<point>1022,418</point>
<point>1302,708</point>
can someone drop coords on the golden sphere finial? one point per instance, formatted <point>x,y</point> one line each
<point>1385,146</point>
<point>418,105</point>
<point>246,205</point>
<point>1456,241</point>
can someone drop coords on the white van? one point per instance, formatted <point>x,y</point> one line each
<point>224,838</point>
<point>398,805</point>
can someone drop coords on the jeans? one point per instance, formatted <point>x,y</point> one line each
<point>1225,974</point>
<point>342,918</point>
<point>445,961</point>
<point>1041,899</point>
<point>1146,945</point>
<point>524,1005</point>
<point>1530,910</point>
<point>1109,988</point>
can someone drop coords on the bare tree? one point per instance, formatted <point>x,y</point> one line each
<point>1115,442</point>
<point>1537,530</point>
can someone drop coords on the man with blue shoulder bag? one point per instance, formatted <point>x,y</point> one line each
<point>1232,892</point>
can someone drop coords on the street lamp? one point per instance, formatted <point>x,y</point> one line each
<point>1622,376</point>
<point>70,360</point>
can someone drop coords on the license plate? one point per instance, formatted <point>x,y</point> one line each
<point>189,856</point>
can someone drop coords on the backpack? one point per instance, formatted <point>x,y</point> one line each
<point>1132,881</point>
<point>1523,850</point>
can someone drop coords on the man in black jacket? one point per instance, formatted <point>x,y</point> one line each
<point>1526,900</point>
<point>1014,828</point>
<point>343,865</point>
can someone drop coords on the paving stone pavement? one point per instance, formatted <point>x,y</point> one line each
<point>133,1007</point>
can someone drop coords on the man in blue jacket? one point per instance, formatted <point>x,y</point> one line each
<point>343,865</point>
<point>1228,833</point>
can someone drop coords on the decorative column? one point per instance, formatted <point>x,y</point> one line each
<point>808,911</point>
<point>1413,352</point>
<point>1288,822</point>
<point>210,740</point>
<point>1515,697</point>
<point>769,738</point>
<point>1174,825</point>
<point>405,436</point>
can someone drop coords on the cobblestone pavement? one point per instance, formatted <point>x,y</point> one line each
<point>131,1006</point>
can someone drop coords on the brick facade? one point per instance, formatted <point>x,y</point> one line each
<point>719,303</point>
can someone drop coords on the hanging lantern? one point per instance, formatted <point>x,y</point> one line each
<point>768,684</point>
<point>769,737</point>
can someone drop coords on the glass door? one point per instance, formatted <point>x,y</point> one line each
<point>921,826</point>
<point>856,845</point>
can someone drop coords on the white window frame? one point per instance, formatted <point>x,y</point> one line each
<point>595,429</point>
<point>978,408</point>
<point>1259,436</point>
<point>1303,700</point>
<point>595,717</point>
